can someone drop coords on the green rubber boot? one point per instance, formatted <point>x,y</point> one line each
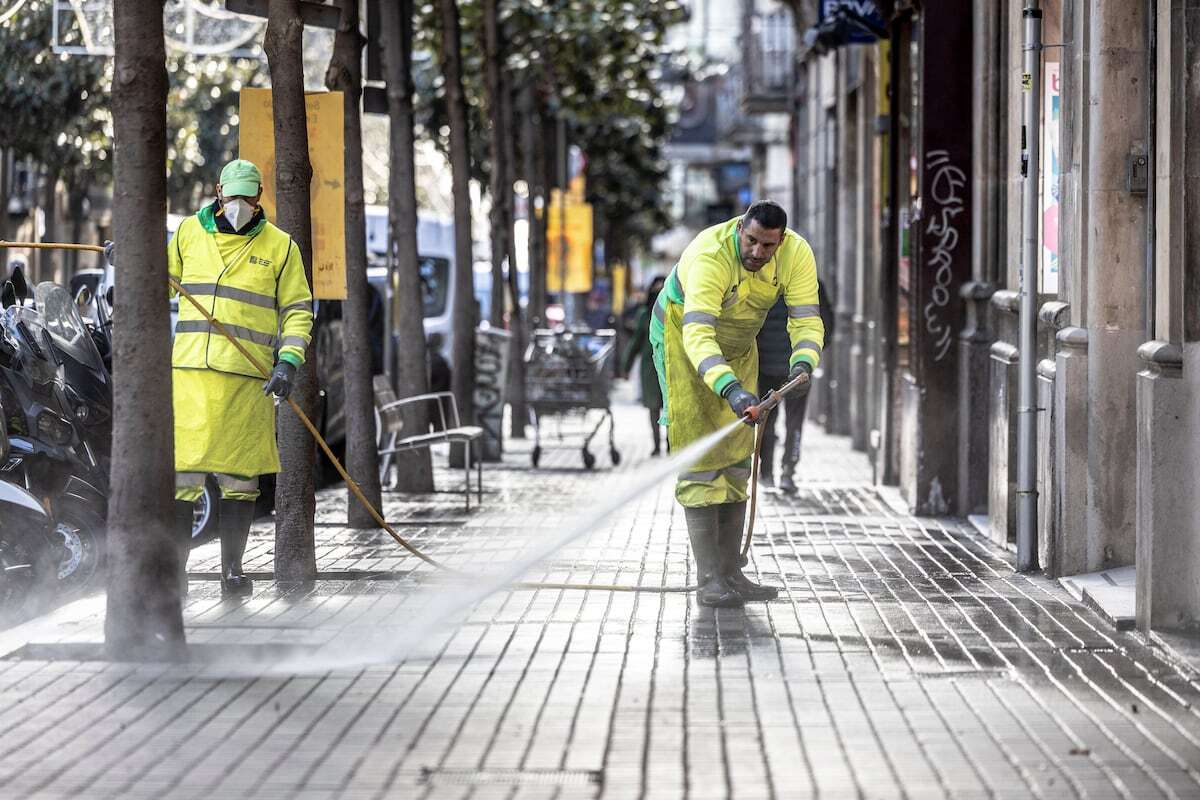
<point>732,522</point>
<point>235,520</point>
<point>703,530</point>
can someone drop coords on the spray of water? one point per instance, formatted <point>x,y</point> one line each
<point>446,604</point>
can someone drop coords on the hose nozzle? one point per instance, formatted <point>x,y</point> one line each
<point>755,414</point>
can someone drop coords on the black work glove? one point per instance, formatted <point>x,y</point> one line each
<point>283,377</point>
<point>108,252</point>
<point>739,399</point>
<point>798,369</point>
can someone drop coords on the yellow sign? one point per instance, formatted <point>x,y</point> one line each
<point>620,274</point>
<point>327,154</point>
<point>578,241</point>
<point>577,188</point>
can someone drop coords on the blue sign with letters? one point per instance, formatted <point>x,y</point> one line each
<point>858,16</point>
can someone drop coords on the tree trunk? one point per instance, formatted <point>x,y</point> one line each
<point>76,195</point>
<point>520,335</point>
<point>362,457</point>
<point>5,182</point>
<point>52,259</point>
<point>144,617</point>
<point>535,177</point>
<point>494,57</point>
<point>295,491</point>
<point>463,360</point>
<point>414,472</point>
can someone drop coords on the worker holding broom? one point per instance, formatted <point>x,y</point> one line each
<point>250,277</point>
<point>703,335</point>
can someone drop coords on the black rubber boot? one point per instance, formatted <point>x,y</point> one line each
<point>235,520</point>
<point>786,484</point>
<point>182,529</point>
<point>732,521</point>
<point>703,530</point>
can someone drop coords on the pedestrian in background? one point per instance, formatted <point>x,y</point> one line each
<point>437,368</point>
<point>639,348</point>
<point>773,369</point>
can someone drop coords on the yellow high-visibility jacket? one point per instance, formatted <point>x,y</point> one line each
<point>253,283</point>
<point>707,319</point>
<point>714,288</point>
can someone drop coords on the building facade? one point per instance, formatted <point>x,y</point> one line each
<point>905,127</point>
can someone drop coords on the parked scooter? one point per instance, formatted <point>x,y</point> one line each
<point>28,553</point>
<point>96,308</point>
<point>59,400</point>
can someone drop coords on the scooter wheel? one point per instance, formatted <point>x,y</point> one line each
<point>535,456</point>
<point>79,532</point>
<point>204,523</point>
<point>26,578</point>
<point>589,460</point>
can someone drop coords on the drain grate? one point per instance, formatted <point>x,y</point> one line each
<point>431,776</point>
<point>984,672</point>
<point>322,575</point>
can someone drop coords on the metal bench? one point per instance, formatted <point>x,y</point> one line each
<point>389,412</point>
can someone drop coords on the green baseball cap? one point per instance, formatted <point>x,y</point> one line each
<point>240,178</point>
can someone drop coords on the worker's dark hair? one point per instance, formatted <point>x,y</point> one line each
<point>767,213</point>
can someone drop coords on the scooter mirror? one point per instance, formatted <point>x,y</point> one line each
<point>8,295</point>
<point>108,297</point>
<point>83,298</point>
<point>20,287</point>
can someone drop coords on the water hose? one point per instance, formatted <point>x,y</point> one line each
<point>758,415</point>
<point>341,470</point>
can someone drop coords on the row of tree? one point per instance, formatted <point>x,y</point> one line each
<point>58,121</point>
<point>508,74</point>
<point>505,76</point>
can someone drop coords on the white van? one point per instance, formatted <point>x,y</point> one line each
<point>435,257</point>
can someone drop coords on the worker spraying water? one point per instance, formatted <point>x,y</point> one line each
<point>703,340</point>
<point>705,324</point>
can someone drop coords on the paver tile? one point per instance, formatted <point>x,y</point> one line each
<point>904,658</point>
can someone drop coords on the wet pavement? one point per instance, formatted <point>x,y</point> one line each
<point>904,658</point>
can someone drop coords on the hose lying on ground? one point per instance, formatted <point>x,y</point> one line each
<point>374,512</point>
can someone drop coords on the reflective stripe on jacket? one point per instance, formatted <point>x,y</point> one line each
<point>258,291</point>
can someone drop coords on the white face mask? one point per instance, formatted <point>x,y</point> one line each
<point>238,212</point>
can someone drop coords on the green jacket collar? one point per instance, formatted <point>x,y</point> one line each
<point>208,219</point>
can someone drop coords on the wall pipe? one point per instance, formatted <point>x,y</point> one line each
<point>1151,170</point>
<point>1027,498</point>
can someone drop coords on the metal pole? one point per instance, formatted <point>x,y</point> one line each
<point>563,297</point>
<point>389,338</point>
<point>1027,544</point>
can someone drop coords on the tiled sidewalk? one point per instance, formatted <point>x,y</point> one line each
<point>905,658</point>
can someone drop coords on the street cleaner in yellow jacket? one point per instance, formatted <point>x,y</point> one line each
<point>250,276</point>
<point>705,325</point>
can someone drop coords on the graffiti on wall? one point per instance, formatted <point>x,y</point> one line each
<point>945,187</point>
<point>491,378</point>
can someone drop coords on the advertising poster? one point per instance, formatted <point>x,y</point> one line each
<point>1051,123</point>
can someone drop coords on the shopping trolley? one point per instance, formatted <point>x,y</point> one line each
<point>568,377</point>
